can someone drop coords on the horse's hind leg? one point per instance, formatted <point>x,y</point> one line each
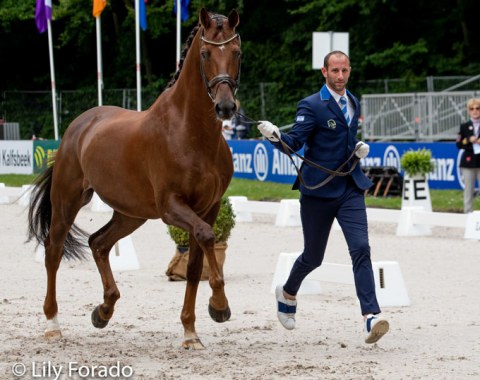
<point>101,242</point>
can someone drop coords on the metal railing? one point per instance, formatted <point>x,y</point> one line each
<point>429,116</point>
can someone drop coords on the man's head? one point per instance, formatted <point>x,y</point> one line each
<point>336,70</point>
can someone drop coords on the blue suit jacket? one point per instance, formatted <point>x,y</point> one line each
<point>321,127</point>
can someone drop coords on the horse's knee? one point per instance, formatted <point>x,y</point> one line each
<point>204,235</point>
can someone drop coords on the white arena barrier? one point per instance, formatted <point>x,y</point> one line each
<point>122,256</point>
<point>3,194</point>
<point>24,199</point>
<point>472,229</point>
<point>389,284</point>
<point>243,208</point>
<point>98,205</point>
<point>288,213</point>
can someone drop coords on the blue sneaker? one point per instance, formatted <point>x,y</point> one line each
<point>375,327</point>
<point>285,309</point>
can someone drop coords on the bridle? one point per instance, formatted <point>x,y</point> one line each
<point>333,173</point>
<point>220,78</point>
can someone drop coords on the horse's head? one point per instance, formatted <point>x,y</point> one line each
<point>220,56</point>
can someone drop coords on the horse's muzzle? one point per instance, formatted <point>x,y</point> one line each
<point>225,109</point>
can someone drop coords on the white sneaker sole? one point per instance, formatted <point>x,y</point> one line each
<point>378,330</point>
<point>287,320</point>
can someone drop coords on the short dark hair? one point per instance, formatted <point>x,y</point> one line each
<point>335,52</point>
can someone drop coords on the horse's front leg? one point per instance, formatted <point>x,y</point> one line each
<point>202,241</point>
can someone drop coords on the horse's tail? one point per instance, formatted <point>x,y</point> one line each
<point>40,217</point>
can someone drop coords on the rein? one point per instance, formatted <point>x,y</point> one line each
<point>333,173</point>
<point>220,78</point>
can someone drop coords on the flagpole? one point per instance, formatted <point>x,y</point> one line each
<point>179,31</point>
<point>52,76</point>
<point>137,66</point>
<point>99,61</point>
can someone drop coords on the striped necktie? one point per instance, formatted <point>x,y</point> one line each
<point>343,103</point>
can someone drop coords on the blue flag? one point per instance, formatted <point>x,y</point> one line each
<point>184,8</point>
<point>143,14</point>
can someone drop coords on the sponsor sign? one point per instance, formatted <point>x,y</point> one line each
<point>258,159</point>
<point>16,157</point>
<point>43,154</point>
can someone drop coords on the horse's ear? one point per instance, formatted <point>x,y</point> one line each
<point>233,18</point>
<point>204,18</point>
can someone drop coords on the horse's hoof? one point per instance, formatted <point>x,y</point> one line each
<point>219,315</point>
<point>193,344</point>
<point>97,321</point>
<point>53,334</point>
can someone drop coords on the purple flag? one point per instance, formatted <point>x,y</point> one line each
<point>43,12</point>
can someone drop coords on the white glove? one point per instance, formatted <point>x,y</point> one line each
<point>269,130</point>
<point>363,149</point>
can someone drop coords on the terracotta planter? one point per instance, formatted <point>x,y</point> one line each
<point>177,268</point>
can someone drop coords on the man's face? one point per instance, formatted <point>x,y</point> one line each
<point>337,73</point>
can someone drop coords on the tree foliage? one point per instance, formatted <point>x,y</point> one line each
<point>388,39</point>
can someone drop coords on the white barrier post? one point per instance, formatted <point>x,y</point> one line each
<point>3,197</point>
<point>24,199</point>
<point>289,213</point>
<point>472,227</point>
<point>240,216</point>
<point>389,285</point>
<point>123,255</point>
<point>406,225</point>
<point>98,205</point>
<point>282,270</point>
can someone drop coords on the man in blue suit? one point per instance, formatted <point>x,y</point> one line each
<point>326,125</point>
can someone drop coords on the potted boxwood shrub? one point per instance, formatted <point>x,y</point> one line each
<point>177,268</point>
<point>417,164</point>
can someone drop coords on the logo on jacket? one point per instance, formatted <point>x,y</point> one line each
<point>331,124</point>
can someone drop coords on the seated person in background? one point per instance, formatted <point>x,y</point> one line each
<point>227,129</point>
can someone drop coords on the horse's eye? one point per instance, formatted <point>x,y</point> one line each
<point>205,54</point>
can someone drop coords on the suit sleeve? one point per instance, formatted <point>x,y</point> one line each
<point>305,123</point>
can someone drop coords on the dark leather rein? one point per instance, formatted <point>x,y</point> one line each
<point>333,173</point>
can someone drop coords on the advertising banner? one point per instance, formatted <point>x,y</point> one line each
<point>44,151</point>
<point>16,157</point>
<point>258,159</point>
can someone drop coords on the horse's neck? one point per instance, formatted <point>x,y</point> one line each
<point>189,94</point>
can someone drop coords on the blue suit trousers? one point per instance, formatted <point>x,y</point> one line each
<point>317,216</point>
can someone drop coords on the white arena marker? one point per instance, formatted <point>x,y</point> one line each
<point>472,227</point>
<point>389,285</point>
<point>289,213</point>
<point>98,205</point>
<point>241,214</point>
<point>123,255</point>
<point>3,196</point>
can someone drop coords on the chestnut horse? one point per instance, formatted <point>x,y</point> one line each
<point>170,162</point>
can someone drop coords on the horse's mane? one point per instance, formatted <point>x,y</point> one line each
<point>218,18</point>
<point>183,55</point>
